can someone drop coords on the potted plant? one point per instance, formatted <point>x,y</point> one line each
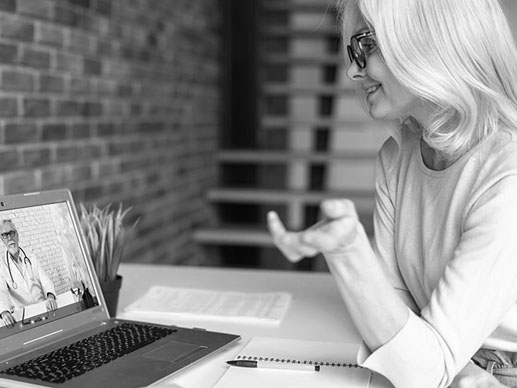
<point>106,237</point>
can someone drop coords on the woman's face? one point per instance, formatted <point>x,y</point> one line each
<point>387,99</point>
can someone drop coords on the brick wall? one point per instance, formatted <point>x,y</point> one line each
<point>118,100</point>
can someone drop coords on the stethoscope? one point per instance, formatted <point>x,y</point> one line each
<point>25,261</point>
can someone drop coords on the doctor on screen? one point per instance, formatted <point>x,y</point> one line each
<point>22,280</point>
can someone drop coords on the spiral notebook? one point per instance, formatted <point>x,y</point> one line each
<point>337,361</point>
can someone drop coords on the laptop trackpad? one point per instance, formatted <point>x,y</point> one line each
<point>174,352</point>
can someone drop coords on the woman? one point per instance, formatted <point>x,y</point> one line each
<point>434,298</point>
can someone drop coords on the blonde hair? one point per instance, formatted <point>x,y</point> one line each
<point>459,55</point>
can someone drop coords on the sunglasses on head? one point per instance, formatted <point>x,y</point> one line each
<point>360,45</point>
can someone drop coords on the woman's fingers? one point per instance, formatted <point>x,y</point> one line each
<point>338,208</point>
<point>290,243</point>
<point>334,233</point>
<point>276,227</point>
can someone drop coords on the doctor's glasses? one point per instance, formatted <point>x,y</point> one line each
<point>6,235</point>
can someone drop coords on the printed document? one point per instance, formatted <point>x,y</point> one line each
<point>269,307</point>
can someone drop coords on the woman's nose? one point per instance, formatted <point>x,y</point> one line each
<point>354,72</point>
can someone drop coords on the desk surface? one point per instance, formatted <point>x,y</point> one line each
<point>317,311</point>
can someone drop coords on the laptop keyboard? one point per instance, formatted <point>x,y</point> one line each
<point>80,357</point>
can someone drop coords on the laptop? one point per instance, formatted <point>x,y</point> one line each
<point>35,351</point>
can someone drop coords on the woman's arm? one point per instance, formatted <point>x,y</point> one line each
<point>476,291</point>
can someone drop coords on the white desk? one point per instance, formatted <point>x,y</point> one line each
<point>317,311</point>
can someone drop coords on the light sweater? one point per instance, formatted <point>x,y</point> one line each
<point>450,239</point>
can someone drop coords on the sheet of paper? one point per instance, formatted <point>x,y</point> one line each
<point>228,305</point>
<point>35,309</point>
<point>300,350</point>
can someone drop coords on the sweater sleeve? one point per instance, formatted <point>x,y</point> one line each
<point>475,293</point>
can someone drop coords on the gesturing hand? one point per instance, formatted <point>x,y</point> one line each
<point>334,233</point>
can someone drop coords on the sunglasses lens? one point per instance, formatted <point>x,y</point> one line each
<point>350,54</point>
<point>358,53</point>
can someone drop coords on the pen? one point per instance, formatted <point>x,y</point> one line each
<point>274,365</point>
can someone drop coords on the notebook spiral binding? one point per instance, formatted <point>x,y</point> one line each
<point>305,362</point>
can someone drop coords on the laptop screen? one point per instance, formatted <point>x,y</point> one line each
<point>43,272</point>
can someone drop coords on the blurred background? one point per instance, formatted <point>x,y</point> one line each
<point>202,115</point>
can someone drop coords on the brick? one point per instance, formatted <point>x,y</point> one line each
<point>36,107</point>
<point>119,148</point>
<point>103,7</point>
<point>151,127</point>
<point>79,85</point>
<point>21,133</point>
<point>92,66</point>
<point>35,58</point>
<point>80,131</point>
<point>67,108</point>
<point>8,159</point>
<point>92,109</point>
<point>17,29</point>
<point>79,173</point>
<point>69,62</point>
<point>66,153</point>
<point>106,48</point>
<point>50,35</point>
<point>51,83</point>
<point>8,107</point>
<point>65,15</point>
<point>53,132</point>
<point>22,182</point>
<point>79,41</point>
<point>38,8</point>
<point>8,5</point>
<point>8,53</point>
<point>17,81</point>
<point>52,177</point>
<point>93,192</point>
<point>77,152</point>
<point>80,3</point>
<point>90,152</point>
<point>36,157</point>
<point>107,169</point>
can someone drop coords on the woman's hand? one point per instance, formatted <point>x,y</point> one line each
<point>333,234</point>
<point>472,376</point>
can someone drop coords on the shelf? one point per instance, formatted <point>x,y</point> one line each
<point>334,90</point>
<point>363,199</point>
<point>263,156</point>
<point>233,236</point>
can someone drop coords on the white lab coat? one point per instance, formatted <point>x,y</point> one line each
<point>27,286</point>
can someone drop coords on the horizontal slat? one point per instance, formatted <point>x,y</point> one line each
<point>363,200</point>
<point>244,235</point>
<point>258,156</point>
<point>233,236</point>
<point>299,32</point>
<point>316,6</point>
<point>321,89</point>
<point>293,122</point>
<point>278,59</point>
